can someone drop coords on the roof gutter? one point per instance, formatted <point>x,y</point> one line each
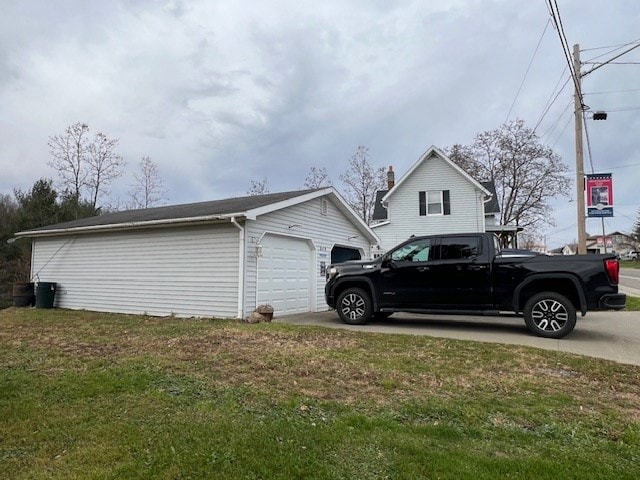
<point>126,226</point>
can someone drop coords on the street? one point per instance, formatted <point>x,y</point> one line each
<point>630,281</point>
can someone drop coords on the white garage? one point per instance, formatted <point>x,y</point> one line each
<point>285,274</point>
<point>210,259</point>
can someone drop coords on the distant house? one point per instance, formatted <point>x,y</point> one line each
<point>435,196</point>
<point>615,242</point>
<point>220,258</point>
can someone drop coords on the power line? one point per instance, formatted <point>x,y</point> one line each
<point>622,109</point>
<point>557,20</point>
<point>550,102</point>
<point>635,45</point>
<point>528,68</point>
<point>586,132</point>
<point>615,47</point>
<point>624,166</point>
<point>611,63</point>
<point>562,131</point>
<point>614,91</point>
<point>554,124</point>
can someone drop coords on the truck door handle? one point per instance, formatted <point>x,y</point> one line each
<point>478,267</point>
<point>423,269</point>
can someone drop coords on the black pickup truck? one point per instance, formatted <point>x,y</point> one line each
<point>469,274</point>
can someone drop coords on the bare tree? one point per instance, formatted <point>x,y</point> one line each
<point>83,164</point>
<point>148,190</point>
<point>362,181</point>
<point>527,174</point>
<point>258,187</point>
<point>104,165</point>
<point>529,241</point>
<point>317,178</point>
<point>70,151</point>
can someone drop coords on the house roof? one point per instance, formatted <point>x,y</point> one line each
<point>437,152</point>
<point>492,206</point>
<point>379,212</point>
<point>248,207</point>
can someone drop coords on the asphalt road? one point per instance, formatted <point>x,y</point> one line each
<point>609,335</point>
<point>630,281</point>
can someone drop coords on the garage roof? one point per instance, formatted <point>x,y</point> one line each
<point>248,207</point>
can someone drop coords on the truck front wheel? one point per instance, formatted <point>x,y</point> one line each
<point>549,315</point>
<point>354,306</point>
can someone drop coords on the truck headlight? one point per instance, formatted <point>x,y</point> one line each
<point>333,271</point>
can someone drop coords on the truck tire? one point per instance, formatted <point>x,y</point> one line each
<point>550,315</point>
<point>354,306</point>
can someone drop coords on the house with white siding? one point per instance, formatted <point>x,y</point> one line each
<point>435,196</point>
<point>210,259</point>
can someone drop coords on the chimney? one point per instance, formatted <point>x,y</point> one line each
<point>391,178</point>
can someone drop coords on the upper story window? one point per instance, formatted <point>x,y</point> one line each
<point>434,202</point>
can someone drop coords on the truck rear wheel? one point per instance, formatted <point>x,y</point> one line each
<point>550,315</point>
<point>355,306</point>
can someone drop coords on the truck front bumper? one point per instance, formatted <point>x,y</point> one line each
<point>612,301</point>
<point>329,297</point>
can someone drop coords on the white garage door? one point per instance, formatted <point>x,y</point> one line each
<point>284,274</point>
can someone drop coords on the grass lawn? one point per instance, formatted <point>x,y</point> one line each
<point>629,264</point>
<point>633,304</point>
<point>88,395</point>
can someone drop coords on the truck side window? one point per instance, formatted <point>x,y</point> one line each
<point>459,248</point>
<point>417,251</point>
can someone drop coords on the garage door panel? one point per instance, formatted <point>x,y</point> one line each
<point>284,274</point>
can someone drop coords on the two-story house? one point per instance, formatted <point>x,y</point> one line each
<point>435,196</point>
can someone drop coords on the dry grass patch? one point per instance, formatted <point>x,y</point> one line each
<point>330,365</point>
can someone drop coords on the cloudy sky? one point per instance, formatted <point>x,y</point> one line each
<point>219,92</point>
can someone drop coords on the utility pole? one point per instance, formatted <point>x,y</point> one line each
<point>580,200</point>
<point>579,108</point>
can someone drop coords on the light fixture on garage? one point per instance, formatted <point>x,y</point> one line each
<point>258,250</point>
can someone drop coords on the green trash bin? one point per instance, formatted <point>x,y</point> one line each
<point>45,294</point>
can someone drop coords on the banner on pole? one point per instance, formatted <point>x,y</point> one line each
<point>599,195</point>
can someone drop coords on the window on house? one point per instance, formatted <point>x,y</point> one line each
<point>434,202</point>
<point>324,207</point>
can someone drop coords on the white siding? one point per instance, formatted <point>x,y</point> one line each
<point>467,207</point>
<point>303,221</point>
<point>180,271</point>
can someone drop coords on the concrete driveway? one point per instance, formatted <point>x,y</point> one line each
<point>609,335</point>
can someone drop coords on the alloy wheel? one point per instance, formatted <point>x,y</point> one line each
<point>353,306</point>
<point>549,315</point>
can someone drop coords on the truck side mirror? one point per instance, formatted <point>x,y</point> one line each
<point>388,262</point>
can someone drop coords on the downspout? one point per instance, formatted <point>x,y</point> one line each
<point>241,254</point>
<point>486,199</point>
